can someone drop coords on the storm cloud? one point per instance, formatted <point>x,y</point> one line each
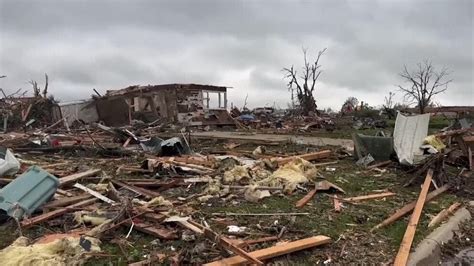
<point>241,44</point>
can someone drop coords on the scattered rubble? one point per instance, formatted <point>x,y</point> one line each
<point>116,181</point>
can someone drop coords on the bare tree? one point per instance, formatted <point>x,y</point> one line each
<point>45,90</point>
<point>245,102</point>
<point>388,105</point>
<point>36,90</point>
<point>425,82</point>
<point>304,88</point>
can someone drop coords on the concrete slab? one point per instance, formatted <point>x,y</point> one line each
<point>428,252</point>
<point>306,140</point>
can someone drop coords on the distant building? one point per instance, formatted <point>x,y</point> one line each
<point>190,104</point>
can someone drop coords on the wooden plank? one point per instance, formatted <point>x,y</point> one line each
<point>142,191</point>
<point>94,193</point>
<point>64,192</point>
<point>54,165</point>
<point>371,196</point>
<point>191,227</point>
<point>159,184</point>
<point>260,214</point>
<point>74,177</point>
<point>308,157</point>
<point>130,170</point>
<point>127,142</point>
<point>46,216</point>
<point>66,201</point>
<point>155,258</point>
<point>187,160</point>
<point>229,246</point>
<point>153,229</point>
<point>306,198</point>
<point>259,240</point>
<point>402,256</point>
<point>196,168</point>
<point>24,114</point>
<point>156,217</point>
<point>454,132</point>
<point>468,139</point>
<point>267,253</point>
<point>442,215</point>
<point>470,158</point>
<point>199,229</point>
<point>225,243</point>
<point>409,207</point>
<point>337,203</point>
<point>384,163</point>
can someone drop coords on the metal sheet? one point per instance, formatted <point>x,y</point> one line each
<point>408,136</point>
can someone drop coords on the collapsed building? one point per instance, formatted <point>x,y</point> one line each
<point>189,104</point>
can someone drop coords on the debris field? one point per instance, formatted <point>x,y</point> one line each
<point>157,193</point>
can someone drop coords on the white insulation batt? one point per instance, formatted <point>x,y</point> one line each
<point>408,136</point>
<point>9,165</point>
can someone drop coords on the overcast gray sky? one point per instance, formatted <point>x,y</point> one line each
<point>241,44</point>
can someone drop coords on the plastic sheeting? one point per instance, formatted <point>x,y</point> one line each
<point>408,136</point>
<point>9,165</point>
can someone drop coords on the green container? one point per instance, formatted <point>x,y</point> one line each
<point>27,192</point>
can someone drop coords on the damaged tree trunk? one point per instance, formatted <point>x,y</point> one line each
<point>305,87</point>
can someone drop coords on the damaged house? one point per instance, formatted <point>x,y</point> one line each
<point>17,112</point>
<point>189,104</point>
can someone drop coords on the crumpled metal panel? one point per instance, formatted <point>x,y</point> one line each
<point>27,192</point>
<point>408,136</point>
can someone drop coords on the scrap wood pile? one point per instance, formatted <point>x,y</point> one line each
<point>454,148</point>
<point>421,155</point>
<point>416,151</point>
<point>18,111</point>
<point>86,206</point>
<point>269,119</point>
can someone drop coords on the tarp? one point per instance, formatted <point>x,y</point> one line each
<point>408,136</point>
<point>380,148</point>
